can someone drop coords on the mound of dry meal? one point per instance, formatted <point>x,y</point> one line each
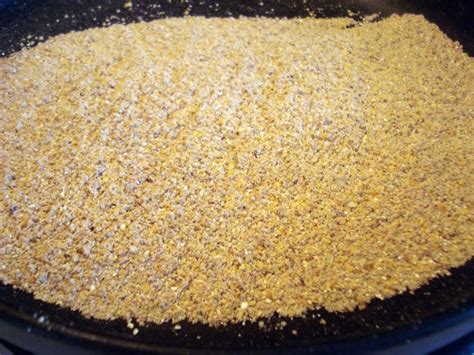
<point>223,170</point>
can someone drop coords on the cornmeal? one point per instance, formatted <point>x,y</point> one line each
<point>222,170</point>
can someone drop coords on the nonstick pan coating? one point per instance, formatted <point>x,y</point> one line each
<point>443,302</point>
<point>27,22</point>
<point>20,18</point>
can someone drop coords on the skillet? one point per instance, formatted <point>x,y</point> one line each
<point>442,309</point>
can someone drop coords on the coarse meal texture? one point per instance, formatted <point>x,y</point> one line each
<point>222,170</point>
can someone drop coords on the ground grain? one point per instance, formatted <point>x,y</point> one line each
<point>225,169</point>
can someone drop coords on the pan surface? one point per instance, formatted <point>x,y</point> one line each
<point>443,301</point>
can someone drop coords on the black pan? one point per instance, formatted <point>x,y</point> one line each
<point>446,303</point>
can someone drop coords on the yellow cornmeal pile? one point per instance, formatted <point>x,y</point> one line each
<point>225,169</point>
